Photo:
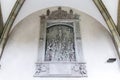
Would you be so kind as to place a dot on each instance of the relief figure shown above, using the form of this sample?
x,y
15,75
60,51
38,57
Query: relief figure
x,y
60,43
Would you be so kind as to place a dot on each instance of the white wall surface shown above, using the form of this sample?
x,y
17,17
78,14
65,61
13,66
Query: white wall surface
x,y
20,54
31,6
86,6
18,61
7,6
112,7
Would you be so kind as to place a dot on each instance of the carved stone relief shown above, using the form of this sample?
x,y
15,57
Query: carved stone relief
x,y
60,43
60,49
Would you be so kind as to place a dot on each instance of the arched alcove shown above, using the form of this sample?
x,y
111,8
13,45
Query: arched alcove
x,y
21,51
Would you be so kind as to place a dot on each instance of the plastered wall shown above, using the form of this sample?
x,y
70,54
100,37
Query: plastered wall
x,y
31,6
20,54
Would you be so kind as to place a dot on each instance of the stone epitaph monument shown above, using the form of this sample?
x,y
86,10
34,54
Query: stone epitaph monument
x,y
60,49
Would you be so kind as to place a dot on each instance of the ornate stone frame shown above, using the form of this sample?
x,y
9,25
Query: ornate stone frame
x,y
60,69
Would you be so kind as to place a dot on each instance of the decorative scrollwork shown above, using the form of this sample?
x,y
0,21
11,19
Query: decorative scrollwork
x,y
79,69
60,14
41,69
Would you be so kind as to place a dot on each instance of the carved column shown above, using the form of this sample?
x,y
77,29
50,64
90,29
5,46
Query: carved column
x,y
42,38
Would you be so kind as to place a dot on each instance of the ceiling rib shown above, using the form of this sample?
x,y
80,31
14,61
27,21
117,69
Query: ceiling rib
x,y
1,21
9,24
111,25
118,24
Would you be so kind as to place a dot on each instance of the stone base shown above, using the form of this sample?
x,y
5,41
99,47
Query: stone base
x,y
60,70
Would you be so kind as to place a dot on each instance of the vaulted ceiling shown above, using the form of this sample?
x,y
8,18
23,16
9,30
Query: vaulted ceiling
x,y
109,11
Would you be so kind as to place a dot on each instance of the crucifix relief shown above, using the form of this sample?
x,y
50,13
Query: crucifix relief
x,y
60,49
